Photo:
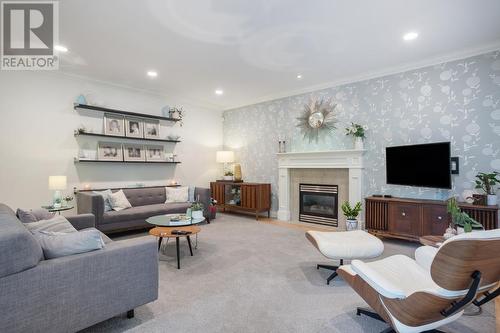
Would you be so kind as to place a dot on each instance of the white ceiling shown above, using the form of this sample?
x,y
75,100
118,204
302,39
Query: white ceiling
x,y
253,49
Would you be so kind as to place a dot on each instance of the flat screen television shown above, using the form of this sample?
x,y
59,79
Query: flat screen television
x,y
426,165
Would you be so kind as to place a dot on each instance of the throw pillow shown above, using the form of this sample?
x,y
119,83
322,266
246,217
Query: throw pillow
x,y
57,244
106,195
119,201
176,194
56,224
33,215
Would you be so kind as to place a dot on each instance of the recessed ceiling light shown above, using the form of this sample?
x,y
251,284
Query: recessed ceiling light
x,y
410,35
299,76
152,74
61,48
219,92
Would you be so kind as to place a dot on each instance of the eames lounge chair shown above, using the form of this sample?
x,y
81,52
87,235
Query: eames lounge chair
x,y
412,298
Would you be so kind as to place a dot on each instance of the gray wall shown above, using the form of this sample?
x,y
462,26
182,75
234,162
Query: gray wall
x,y
457,101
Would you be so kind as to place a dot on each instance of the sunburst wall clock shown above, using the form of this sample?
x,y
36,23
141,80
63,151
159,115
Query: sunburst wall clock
x,y
317,117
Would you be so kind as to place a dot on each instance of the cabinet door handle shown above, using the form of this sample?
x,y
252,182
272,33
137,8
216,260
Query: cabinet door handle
x,y
440,217
403,213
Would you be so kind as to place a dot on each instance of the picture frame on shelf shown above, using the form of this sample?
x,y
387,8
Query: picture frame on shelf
x,y
114,125
134,152
151,129
155,154
134,127
109,151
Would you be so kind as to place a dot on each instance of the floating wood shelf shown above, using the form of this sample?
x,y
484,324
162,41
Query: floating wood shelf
x,y
126,113
143,162
125,137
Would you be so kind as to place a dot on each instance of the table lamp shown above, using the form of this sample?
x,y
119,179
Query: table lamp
x,y
225,156
57,183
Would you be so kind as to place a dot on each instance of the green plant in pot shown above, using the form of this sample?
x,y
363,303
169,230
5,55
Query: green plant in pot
x,y
461,219
488,182
351,213
197,210
358,132
228,175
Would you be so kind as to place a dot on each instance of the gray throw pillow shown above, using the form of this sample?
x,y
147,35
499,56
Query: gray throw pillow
x,y
56,224
106,195
57,244
33,215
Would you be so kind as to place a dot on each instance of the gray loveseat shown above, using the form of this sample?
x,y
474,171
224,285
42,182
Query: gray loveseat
x,y
146,202
71,293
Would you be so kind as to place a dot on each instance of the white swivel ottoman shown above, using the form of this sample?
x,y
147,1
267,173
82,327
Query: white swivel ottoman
x,y
345,245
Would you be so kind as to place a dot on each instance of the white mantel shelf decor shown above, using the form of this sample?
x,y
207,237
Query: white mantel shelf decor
x,y
350,159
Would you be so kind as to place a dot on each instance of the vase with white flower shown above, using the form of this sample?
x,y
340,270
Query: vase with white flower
x,y
358,132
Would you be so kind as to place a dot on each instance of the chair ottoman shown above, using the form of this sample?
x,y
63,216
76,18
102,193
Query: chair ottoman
x,y
345,245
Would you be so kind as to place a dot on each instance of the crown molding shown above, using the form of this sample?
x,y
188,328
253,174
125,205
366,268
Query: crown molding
x,y
432,61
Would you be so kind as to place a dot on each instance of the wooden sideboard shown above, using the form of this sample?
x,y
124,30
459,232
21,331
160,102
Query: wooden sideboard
x,y
411,218
246,197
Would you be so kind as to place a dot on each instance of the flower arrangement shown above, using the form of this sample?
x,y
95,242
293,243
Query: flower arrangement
x,y
228,173
356,130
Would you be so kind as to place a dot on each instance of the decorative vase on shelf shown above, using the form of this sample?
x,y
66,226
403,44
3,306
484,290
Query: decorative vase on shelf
x,y
237,172
491,200
351,224
358,143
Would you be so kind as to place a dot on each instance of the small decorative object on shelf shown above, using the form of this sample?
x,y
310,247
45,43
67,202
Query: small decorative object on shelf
x,y
173,137
237,172
351,213
67,199
165,111
358,132
86,187
177,113
282,146
461,220
318,116
197,210
228,175
81,99
488,182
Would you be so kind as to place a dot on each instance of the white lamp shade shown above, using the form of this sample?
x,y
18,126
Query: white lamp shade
x,y
225,156
57,183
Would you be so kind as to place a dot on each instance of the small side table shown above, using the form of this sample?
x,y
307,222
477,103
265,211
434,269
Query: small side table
x,y
162,232
52,209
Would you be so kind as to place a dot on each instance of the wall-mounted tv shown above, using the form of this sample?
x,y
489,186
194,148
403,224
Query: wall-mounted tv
x,y
426,165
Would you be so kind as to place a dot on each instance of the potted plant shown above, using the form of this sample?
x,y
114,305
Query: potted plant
x,y
197,210
358,132
462,221
228,175
351,213
487,182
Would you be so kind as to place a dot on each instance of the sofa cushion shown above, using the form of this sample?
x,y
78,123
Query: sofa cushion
x,y
119,201
33,215
143,212
59,244
19,250
56,224
145,196
177,194
106,196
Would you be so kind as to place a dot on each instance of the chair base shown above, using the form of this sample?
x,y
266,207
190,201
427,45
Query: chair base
x,y
332,268
374,315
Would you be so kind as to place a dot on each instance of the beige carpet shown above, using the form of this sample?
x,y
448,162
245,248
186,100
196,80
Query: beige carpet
x,y
247,276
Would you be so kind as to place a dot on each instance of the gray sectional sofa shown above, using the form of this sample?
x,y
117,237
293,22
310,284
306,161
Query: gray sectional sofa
x,y
145,201
71,293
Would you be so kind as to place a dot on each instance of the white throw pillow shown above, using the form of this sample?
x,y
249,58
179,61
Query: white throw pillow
x,y
177,194
119,201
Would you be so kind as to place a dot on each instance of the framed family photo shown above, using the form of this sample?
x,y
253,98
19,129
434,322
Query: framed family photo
x,y
109,151
152,129
155,154
133,128
133,152
113,125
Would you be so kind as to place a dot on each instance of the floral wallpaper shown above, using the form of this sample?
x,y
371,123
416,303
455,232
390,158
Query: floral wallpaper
x,y
457,101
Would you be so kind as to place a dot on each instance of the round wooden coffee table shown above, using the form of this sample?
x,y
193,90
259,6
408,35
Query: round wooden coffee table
x,y
162,232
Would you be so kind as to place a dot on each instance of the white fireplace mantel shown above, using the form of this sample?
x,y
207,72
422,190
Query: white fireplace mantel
x,y
333,159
